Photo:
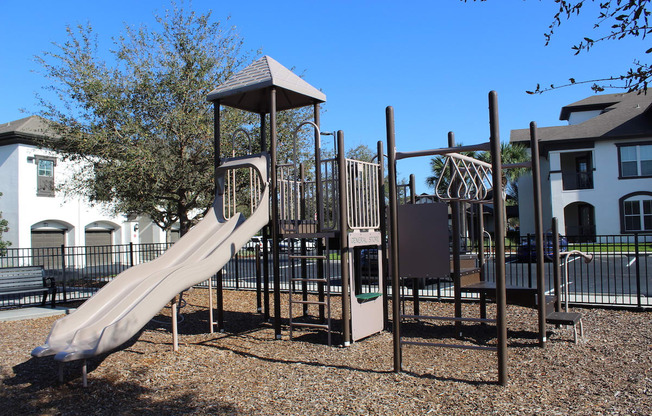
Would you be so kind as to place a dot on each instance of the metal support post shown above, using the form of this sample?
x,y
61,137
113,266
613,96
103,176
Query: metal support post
x,y
457,265
344,240
393,235
538,229
276,263
499,226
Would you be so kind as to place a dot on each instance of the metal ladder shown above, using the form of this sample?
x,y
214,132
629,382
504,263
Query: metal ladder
x,y
322,278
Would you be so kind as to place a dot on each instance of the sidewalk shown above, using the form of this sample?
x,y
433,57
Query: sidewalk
x,y
32,313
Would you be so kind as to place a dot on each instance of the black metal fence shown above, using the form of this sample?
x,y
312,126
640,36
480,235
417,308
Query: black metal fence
x,y
79,271
620,273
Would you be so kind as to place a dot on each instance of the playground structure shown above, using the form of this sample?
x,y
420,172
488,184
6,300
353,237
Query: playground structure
x,y
465,179
338,203
121,308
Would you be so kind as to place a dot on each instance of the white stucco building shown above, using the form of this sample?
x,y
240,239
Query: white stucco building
x,y
41,216
596,172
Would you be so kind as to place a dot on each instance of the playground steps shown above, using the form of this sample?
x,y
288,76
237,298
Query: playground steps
x,y
325,304
567,318
521,296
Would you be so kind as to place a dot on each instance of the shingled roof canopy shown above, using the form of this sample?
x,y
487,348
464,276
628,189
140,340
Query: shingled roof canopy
x,y
248,89
28,130
623,115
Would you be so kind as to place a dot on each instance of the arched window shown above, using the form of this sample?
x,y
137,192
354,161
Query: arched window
x,y
636,212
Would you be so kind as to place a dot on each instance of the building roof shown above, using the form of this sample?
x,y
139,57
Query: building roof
x,y
247,89
24,130
624,115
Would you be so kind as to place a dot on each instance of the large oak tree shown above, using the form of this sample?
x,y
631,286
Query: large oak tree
x,y
135,118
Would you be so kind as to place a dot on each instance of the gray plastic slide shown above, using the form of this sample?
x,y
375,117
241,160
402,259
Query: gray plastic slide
x,y
123,306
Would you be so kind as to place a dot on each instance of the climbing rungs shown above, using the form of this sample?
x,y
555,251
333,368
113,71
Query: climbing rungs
x,y
301,279
309,302
447,318
459,346
308,325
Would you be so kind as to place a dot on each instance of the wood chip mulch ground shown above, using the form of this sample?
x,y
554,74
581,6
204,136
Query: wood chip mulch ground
x,y
245,371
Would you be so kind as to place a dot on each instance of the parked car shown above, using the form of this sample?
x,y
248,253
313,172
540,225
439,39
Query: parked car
x,y
253,243
527,250
311,245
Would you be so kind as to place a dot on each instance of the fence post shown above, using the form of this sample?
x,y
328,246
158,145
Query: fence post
x,y
556,264
131,254
638,271
259,305
529,260
237,271
63,271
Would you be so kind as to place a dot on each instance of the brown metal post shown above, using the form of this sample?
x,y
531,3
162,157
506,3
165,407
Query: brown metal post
x,y
344,240
318,181
393,235
265,234
216,163
383,232
499,226
556,264
217,134
276,264
457,267
416,280
538,229
259,303
319,206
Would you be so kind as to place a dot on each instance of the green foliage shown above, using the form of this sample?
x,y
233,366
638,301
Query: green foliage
x,y
138,125
3,229
361,152
616,20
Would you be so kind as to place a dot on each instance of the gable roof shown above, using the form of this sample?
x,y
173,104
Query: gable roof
x,y
624,115
25,130
247,89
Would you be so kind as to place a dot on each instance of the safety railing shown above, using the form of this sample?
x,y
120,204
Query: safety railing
x,y
363,210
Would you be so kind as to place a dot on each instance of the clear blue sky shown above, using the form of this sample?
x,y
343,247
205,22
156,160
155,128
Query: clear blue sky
x,y
434,61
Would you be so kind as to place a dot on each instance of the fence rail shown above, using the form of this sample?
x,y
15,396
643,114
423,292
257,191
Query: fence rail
x,y
619,275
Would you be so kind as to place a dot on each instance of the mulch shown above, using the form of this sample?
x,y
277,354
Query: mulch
x,y
246,371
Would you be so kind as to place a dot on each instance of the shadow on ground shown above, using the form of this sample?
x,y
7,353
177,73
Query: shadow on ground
x,y
34,389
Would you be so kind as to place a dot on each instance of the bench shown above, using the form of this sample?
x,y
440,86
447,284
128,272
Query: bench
x,y
30,279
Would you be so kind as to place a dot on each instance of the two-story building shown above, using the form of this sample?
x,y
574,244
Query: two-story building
x,y
596,172
39,214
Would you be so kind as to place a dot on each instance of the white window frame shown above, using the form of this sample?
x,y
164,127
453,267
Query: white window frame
x,y
637,158
640,210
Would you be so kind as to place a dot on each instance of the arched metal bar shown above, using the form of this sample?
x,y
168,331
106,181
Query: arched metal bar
x,y
233,137
444,151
